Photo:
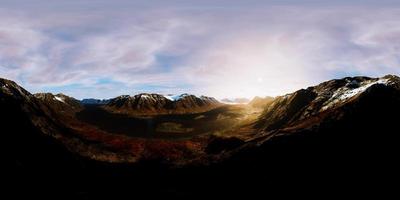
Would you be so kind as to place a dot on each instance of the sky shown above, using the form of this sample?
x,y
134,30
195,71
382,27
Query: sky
x,y
219,48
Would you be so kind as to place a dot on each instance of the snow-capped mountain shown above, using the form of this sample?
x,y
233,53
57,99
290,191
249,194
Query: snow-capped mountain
x,y
145,103
325,97
339,126
60,100
175,97
92,101
58,106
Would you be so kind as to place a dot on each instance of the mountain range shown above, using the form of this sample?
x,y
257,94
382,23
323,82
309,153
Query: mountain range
x,y
158,104
328,137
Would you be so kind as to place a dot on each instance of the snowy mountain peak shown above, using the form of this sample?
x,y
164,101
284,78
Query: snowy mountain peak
x,y
351,89
59,99
172,97
92,101
327,97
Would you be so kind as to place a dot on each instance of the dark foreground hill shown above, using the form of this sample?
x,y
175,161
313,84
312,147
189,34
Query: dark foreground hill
x,y
336,137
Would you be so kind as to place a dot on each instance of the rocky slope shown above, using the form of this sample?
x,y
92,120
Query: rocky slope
x,y
329,138
59,102
301,105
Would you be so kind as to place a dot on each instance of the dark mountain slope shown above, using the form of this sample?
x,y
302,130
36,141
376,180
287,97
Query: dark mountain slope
x,y
28,138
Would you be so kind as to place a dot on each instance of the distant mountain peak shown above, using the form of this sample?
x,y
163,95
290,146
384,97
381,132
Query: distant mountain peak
x,y
46,96
260,102
92,101
12,88
58,102
235,100
173,97
147,96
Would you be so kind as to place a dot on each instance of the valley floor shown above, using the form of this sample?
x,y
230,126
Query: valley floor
x,y
168,126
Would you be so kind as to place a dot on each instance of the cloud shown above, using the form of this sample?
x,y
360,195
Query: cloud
x,y
48,54
18,46
241,50
297,49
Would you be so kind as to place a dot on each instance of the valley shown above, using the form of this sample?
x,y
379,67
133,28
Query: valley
x,y
166,126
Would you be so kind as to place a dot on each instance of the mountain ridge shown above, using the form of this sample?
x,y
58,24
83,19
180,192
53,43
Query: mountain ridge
x,y
316,99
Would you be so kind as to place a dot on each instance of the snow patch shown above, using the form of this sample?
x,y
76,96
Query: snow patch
x,y
169,97
345,93
351,93
146,96
59,99
175,97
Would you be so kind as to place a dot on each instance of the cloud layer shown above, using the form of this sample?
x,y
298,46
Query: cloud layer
x,y
99,49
